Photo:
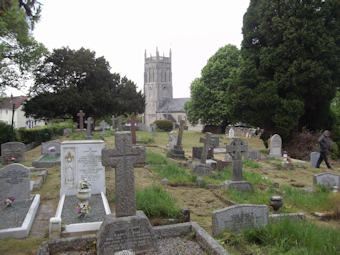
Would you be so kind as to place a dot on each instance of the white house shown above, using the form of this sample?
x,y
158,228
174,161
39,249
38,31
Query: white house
x,y
13,105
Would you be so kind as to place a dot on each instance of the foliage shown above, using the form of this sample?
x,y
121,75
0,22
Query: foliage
x,y
155,202
209,102
7,134
19,52
290,67
42,134
164,125
70,80
335,153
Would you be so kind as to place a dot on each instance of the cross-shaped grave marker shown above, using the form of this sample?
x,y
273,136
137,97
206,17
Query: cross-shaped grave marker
x,y
81,115
180,135
123,158
207,143
89,123
235,149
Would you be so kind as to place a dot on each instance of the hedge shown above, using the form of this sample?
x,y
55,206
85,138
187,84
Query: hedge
x,y
164,125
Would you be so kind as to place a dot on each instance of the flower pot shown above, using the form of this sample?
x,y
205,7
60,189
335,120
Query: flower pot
x,y
84,194
276,202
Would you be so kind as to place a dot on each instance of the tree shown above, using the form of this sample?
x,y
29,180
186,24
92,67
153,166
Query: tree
x,y
70,80
19,52
290,67
209,93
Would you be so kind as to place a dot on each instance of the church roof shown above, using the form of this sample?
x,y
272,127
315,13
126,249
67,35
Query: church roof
x,y
173,105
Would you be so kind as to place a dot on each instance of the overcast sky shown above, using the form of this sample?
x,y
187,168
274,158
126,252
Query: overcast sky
x,y
121,30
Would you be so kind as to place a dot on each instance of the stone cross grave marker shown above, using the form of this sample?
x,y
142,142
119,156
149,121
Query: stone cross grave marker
x,y
89,123
81,115
275,146
133,128
207,142
15,181
102,125
113,122
119,123
235,149
123,158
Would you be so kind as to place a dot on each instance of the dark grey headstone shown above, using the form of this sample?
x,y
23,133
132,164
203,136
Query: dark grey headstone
x,y
126,233
197,153
314,157
15,181
328,179
235,150
238,217
254,155
215,141
13,149
202,169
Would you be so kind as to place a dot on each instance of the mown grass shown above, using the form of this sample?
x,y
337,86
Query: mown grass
x,y
157,203
286,237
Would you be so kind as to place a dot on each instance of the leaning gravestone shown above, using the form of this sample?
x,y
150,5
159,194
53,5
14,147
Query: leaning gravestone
x,y
15,181
275,146
14,150
177,151
172,141
127,229
314,157
238,217
236,148
328,179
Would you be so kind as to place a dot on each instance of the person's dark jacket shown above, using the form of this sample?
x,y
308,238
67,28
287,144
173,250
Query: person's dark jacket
x,y
323,143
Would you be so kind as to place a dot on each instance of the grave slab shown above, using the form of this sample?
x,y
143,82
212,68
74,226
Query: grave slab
x,y
328,179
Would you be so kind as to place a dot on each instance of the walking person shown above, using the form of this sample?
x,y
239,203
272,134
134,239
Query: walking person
x,y
324,146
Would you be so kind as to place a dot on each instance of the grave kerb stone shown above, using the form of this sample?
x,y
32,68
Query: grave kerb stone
x,y
123,158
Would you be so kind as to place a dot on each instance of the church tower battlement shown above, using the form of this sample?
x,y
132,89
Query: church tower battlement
x,y
157,84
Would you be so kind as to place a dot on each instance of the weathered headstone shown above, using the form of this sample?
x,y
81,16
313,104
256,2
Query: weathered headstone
x,y
46,148
153,130
103,125
127,229
197,153
275,146
172,141
328,179
89,123
177,151
215,141
239,217
15,181
119,123
235,149
79,160
203,168
231,133
314,157
81,115
133,128
13,150
254,155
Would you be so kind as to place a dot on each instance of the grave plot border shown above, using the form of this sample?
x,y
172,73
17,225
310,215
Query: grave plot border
x,y
41,164
23,231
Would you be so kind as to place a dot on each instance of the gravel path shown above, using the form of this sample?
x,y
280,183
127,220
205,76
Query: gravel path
x,y
14,216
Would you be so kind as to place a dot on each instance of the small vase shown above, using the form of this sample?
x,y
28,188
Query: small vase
x,y
84,194
276,203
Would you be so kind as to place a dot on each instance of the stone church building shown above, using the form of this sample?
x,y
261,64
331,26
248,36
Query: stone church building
x,y
158,91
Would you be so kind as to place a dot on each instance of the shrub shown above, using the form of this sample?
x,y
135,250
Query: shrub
x,y
7,134
335,153
155,202
164,125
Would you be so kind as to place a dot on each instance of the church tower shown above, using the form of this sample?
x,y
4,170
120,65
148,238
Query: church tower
x,y
157,84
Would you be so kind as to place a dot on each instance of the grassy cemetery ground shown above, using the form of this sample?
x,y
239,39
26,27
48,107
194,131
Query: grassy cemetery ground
x,y
162,202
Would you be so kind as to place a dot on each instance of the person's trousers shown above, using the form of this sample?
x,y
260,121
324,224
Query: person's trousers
x,y
323,156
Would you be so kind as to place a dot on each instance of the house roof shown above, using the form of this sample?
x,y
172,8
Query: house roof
x,y
172,105
7,102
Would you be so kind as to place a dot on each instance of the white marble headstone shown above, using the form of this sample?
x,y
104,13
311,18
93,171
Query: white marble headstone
x,y
82,159
275,146
231,133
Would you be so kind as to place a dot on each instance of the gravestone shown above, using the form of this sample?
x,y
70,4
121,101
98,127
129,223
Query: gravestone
x,y
239,217
153,130
275,146
177,151
79,160
235,149
231,133
81,115
103,125
89,123
314,157
254,155
197,153
47,145
119,123
328,179
133,129
128,229
14,150
67,131
203,168
113,122
15,181
215,141
172,141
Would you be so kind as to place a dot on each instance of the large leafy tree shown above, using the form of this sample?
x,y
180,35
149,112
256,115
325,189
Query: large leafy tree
x,y
290,69
209,93
19,52
70,80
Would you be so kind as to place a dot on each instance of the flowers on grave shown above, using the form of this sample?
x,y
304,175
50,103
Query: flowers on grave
x,y
11,159
52,149
9,201
83,209
84,184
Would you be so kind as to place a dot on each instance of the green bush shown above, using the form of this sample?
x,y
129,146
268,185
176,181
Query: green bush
x,y
42,134
164,125
155,202
335,153
7,134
